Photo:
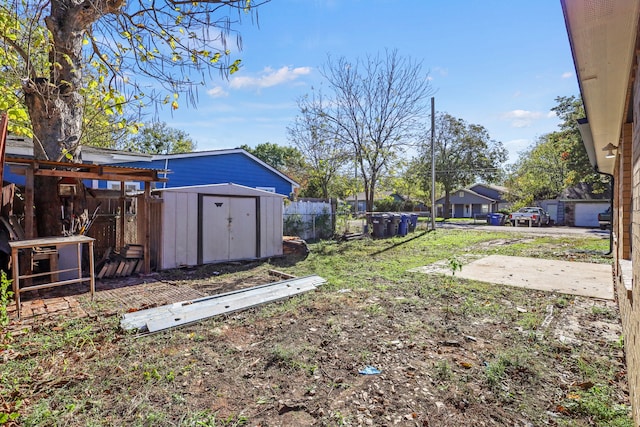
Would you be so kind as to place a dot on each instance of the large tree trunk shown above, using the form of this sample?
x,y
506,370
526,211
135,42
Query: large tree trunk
x,y
55,104
368,195
56,117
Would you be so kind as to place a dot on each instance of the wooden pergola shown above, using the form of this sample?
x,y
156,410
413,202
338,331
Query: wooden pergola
x,y
31,168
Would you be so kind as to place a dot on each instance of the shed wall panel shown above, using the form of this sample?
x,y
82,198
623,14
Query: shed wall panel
x,y
192,229
181,209
168,231
271,226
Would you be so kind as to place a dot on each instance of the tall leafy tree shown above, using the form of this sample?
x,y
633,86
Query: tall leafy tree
x,y
540,172
314,136
556,161
376,109
569,109
287,160
159,138
129,44
464,153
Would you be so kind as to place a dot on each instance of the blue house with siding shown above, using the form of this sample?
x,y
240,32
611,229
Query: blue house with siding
x,y
235,166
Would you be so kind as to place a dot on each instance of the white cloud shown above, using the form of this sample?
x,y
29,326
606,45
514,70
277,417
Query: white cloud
x,y
217,92
567,75
270,77
522,118
516,147
444,72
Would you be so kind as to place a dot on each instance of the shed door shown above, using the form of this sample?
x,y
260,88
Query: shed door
x,y
228,228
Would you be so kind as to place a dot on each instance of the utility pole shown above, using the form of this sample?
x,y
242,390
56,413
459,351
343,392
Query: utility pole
x,y
433,163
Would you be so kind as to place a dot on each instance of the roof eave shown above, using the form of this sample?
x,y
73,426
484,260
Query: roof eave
x,y
602,36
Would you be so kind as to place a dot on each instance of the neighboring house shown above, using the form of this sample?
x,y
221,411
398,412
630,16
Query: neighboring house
x,y
22,147
605,44
467,203
495,192
197,168
360,199
219,167
577,206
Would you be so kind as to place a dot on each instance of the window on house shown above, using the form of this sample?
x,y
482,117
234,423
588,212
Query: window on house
x,y
128,186
461,194
269,189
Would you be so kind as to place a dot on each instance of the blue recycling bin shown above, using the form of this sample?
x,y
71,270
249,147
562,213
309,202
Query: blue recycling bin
x,y
495,219
413,221
403,227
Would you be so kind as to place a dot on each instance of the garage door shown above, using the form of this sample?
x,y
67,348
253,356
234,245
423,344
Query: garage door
x,y
587,213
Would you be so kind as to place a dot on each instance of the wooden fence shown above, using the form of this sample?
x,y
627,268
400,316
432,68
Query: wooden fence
x,y
310,219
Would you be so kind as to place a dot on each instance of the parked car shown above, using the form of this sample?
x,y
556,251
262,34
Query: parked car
x,y
604,219
533,216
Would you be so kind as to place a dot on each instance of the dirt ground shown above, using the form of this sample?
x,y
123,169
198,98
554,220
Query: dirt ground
x,y
442,355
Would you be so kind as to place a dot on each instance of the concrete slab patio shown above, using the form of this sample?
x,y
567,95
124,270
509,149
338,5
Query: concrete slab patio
x,y
574,278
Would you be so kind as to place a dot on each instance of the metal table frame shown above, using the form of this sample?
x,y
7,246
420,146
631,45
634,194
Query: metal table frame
x,y
53,242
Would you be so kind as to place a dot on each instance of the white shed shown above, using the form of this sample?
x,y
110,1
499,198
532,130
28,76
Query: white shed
x,y
219,222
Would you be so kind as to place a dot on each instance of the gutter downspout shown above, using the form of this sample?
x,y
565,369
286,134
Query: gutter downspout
x,y
587,141
612,183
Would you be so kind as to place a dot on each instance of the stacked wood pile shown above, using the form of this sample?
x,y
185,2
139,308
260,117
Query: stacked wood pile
x,y
352,236
128,261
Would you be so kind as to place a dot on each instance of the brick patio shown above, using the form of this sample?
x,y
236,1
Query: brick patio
x,y
112,297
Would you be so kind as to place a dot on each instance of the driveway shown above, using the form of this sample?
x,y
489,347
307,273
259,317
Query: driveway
x,y
565,277
553,230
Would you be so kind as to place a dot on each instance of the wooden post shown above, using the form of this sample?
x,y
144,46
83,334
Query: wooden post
x,y
144,219
28,204
123,208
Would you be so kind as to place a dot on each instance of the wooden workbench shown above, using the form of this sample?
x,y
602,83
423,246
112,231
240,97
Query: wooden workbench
x,y
55,243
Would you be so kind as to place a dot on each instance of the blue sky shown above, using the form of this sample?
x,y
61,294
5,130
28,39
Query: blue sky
x,y
500,64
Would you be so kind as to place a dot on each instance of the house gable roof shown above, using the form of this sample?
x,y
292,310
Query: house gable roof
x,y
472,198
223,152
22,146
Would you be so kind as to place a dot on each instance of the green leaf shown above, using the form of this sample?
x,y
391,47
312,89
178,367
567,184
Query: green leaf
x,y
235,66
